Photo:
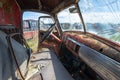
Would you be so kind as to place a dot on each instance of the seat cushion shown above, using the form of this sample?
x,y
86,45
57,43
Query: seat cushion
x,y
52,68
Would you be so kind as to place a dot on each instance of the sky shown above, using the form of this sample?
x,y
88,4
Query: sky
x,y
100,5
102,11
32,15
93,11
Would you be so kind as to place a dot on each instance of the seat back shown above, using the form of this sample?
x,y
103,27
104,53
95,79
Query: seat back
x,y
8,68
9,29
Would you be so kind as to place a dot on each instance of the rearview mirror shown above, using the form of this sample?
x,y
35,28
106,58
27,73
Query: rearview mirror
x,y
73,10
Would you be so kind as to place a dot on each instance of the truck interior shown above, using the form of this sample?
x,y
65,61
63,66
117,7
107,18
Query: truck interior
x,y
59,39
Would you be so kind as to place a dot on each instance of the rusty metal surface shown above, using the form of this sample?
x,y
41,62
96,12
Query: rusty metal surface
x,y
47,5
10,10
9,13
100,63
93,43
42,5
51,45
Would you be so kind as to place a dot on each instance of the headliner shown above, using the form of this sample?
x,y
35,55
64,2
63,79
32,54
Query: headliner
x,y
42,5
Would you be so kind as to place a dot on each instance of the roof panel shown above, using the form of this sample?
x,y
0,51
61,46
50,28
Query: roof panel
x,y
47,5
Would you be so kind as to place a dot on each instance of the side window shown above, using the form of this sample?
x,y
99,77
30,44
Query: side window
x,y
29,25
25,26
69,20
45,23
102,18
30,28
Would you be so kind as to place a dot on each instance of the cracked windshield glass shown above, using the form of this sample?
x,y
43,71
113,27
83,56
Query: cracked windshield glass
x,y
102,17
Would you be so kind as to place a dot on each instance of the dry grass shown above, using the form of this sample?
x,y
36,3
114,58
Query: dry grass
x,y
33,43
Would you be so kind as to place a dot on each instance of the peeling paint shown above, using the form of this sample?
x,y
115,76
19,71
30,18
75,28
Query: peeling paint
x,y
1,4
9,13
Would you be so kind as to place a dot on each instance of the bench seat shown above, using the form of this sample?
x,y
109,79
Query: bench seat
x,y
52,67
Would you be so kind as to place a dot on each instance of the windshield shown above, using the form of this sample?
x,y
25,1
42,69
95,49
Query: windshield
x,y
102,17
69,21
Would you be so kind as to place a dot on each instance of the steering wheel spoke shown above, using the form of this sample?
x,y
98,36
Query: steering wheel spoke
x,y
47,33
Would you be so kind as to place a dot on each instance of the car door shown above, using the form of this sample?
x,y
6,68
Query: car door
x,y
51,38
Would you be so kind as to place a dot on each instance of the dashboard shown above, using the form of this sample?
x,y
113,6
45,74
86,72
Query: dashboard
x,y
98,56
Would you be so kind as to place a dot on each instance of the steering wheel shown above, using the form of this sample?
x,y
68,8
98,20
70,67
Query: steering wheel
x,y
47,33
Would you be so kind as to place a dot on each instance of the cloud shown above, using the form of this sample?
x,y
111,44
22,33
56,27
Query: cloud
x,y
105,17
91,17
